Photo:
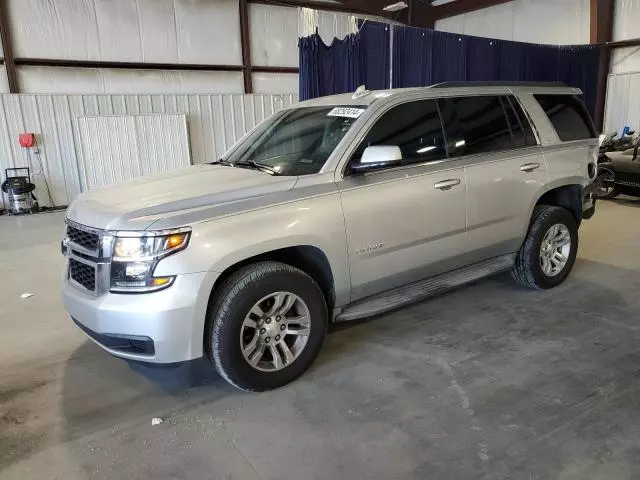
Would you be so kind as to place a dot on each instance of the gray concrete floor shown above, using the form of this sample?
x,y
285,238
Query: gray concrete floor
x,y
488,382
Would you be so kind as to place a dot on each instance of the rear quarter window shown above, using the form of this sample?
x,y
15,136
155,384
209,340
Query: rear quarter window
x,y
568,116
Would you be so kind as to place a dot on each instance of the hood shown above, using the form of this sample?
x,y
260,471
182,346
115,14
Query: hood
x,y
130,205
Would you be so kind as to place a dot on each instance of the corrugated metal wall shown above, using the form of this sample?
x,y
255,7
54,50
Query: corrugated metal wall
x,y
215,122
556,22
623,102
116,148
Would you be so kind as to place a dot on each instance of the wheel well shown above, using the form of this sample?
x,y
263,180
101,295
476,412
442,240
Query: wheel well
x,y
567,196
310,260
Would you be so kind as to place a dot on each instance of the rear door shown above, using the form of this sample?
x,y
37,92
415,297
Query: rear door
x,y
504,169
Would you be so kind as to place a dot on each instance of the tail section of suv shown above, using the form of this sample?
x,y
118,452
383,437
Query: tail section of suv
x,y
335,209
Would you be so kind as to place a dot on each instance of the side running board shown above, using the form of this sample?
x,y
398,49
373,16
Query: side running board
x,y
415,292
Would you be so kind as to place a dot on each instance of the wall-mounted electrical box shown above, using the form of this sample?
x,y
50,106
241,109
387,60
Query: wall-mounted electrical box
x,y
27,140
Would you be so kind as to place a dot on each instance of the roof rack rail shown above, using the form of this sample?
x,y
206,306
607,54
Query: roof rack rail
x,y
498,84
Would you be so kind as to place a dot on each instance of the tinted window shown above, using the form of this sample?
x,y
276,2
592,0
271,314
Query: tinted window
x,y
519,123
414,127
475,125
568,115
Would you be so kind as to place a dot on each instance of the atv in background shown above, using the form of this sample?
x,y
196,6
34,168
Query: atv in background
x,y
612,144
619,170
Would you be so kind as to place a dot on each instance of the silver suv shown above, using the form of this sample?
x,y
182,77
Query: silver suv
x,y
335,209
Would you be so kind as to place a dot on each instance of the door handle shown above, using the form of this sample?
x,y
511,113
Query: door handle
x,y
446,184
529,167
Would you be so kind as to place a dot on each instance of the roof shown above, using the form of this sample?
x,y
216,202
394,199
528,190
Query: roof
x,y
463,88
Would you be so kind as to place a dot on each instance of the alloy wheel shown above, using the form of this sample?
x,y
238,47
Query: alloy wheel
x,y
555,249
275,331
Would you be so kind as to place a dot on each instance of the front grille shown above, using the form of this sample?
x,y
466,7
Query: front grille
x,y
83,274
84,239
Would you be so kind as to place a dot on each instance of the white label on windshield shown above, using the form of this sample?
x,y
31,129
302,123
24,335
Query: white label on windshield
x,y
346,112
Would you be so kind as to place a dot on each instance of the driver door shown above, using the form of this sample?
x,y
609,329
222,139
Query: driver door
x,y
406,221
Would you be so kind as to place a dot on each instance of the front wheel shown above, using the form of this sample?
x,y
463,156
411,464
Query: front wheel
x,y
266,326
549,250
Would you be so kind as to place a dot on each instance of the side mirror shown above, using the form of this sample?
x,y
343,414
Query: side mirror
x,y
377,157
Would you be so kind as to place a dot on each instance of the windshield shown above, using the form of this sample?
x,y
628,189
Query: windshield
x,y
298,141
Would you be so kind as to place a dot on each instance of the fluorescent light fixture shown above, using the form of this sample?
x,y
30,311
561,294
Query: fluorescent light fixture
x,y
460,143
426,149
394,7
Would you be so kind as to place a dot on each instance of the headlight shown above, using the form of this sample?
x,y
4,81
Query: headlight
x,y
135,257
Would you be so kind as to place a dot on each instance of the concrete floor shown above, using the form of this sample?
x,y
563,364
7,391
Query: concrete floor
x,y
487,382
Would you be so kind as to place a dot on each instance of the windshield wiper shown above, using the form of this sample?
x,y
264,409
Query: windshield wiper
x,y
220,161
257,166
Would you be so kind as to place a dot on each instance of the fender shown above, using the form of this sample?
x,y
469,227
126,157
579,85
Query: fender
x,y
577,182
219,244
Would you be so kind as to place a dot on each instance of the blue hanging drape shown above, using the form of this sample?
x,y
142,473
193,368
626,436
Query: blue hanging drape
x,y
374,56
412,67
423,57
329,69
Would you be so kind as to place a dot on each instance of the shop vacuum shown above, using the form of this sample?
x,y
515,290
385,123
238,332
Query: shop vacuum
x,y
18,191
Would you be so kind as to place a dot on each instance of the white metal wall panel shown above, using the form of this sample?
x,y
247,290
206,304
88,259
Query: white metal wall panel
x,y
275,82
123,147
626,18
158,33
209,31
274,35
215,123
119,81
4,81
623,102
63,29
555,22
172,31
624,60
617,102
119,30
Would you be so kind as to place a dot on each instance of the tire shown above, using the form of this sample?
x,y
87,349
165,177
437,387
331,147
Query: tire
x,y
236,300
603,192
528,268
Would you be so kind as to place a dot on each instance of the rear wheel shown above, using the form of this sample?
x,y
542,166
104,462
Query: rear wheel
x,y
549,250
267,326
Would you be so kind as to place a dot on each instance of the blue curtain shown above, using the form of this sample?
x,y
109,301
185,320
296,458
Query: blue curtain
x,y
578,67
483,59
449,57
412,67
424,57
374,57
329,69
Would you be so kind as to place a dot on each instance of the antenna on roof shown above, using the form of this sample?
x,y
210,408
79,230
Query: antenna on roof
x,y
361,91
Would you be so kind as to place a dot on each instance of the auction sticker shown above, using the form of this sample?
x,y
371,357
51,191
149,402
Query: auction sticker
x,y
346,112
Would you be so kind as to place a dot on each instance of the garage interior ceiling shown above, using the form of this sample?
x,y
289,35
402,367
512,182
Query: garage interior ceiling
x,y
422,13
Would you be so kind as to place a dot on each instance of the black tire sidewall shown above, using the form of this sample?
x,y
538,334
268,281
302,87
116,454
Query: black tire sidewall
x,y
540,227
225,338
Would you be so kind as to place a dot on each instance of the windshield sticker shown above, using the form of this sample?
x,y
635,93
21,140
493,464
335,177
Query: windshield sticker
x,y
346,112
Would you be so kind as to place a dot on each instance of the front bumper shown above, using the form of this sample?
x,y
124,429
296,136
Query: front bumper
x,y
589,200
159,327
